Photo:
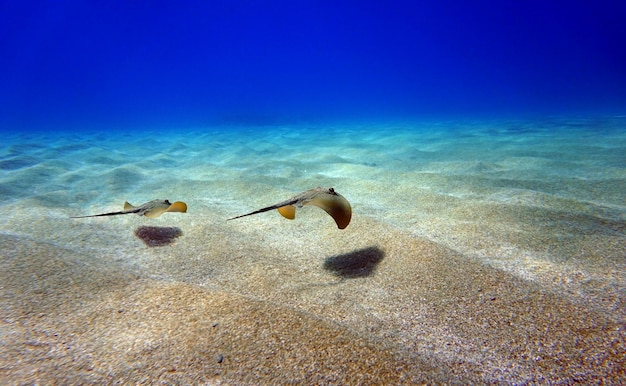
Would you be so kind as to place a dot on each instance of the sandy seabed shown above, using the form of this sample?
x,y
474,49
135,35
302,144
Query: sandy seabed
x,y
479,253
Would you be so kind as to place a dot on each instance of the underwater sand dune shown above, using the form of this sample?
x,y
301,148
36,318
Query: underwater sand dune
x,y
472,256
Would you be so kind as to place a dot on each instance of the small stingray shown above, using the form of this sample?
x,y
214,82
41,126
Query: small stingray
x,y
332,202
151,209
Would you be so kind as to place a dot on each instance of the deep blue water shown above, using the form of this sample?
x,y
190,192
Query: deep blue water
x,y
74,65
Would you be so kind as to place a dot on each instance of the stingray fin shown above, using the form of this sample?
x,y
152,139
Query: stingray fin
x,y
288,211
336,206
178,206
154,213
128,206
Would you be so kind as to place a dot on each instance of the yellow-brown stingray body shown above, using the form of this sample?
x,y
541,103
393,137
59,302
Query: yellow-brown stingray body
x,y
151,209
327,199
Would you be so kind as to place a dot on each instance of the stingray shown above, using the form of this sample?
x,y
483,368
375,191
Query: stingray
x,y
332,202
151,209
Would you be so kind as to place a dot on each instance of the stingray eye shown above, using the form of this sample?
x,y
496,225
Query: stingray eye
x,y
331,190
168,202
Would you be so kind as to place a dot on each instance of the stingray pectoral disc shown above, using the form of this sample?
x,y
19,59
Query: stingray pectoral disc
x,y
178,206
336,206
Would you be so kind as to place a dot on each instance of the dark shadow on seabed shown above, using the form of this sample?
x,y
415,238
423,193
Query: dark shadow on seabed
x,y
359,263
158,236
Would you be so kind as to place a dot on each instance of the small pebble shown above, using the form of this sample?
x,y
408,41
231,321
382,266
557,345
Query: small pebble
x,y
220,358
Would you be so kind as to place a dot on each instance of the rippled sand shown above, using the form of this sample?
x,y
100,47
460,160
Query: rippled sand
x,y
476,253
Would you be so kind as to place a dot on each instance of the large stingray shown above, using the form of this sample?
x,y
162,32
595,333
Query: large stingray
x,y
151,209
332,202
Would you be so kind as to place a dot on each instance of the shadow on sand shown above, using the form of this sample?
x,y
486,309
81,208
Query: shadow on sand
x,y
158,236
359,263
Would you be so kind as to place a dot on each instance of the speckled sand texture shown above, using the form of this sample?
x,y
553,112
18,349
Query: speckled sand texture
x,y
484,254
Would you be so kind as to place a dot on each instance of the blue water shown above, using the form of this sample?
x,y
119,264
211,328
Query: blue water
x,y
76,65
